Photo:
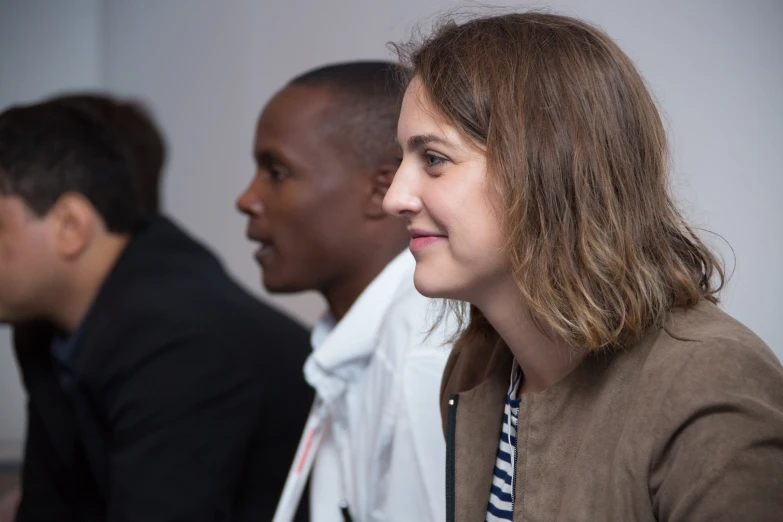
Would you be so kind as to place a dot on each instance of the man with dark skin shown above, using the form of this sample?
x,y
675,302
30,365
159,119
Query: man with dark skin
x,y
325,155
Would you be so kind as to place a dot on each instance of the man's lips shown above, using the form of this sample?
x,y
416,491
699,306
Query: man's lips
x,y
421,239
265,247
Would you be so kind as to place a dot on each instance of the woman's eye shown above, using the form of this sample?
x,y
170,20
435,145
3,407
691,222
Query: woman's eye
x,y
432,160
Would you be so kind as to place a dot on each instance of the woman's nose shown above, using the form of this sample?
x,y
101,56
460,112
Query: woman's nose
x,y
401,199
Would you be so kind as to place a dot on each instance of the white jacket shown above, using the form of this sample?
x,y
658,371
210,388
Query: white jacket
x,y
378,375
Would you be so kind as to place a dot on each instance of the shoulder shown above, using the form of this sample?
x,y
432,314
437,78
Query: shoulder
x,y
711,396
708,325
705,347
170,295
705,371
168,277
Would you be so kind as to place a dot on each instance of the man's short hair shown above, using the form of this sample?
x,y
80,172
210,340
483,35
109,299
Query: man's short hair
x,y
367,96
49,149
138,135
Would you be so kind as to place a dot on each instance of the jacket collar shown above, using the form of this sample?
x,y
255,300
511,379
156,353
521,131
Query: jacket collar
x,y
155,249
342,350
479,423
48,402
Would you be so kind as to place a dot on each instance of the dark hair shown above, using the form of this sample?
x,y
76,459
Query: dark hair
x,y
367,96
578,165
138,135
49,149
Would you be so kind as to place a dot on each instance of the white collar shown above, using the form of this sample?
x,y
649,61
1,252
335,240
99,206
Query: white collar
x,y
341,351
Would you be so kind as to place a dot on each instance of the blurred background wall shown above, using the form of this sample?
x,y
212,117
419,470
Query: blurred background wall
x,y
206,68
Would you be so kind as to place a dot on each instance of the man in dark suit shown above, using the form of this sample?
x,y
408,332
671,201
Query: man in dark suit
x,y
158,389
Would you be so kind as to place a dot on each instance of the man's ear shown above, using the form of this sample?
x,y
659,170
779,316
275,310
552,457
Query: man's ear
x,y
381,181
76,224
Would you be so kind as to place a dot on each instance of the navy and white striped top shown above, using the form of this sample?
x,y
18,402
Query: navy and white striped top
x,y
501,497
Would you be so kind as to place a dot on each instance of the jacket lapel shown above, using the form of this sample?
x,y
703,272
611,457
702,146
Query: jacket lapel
x,y
478,425
32,342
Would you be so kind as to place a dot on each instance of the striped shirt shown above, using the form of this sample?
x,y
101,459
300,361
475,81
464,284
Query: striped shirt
x,y
501,496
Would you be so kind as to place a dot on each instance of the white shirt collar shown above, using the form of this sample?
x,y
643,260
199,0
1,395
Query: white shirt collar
x,y
341,351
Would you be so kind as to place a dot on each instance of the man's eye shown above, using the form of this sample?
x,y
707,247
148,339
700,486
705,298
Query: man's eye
x,y
277,174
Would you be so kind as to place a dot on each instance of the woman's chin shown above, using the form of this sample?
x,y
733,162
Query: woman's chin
x,y
431,285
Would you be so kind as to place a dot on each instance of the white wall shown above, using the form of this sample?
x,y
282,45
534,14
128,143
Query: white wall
x,y
207,68
45,46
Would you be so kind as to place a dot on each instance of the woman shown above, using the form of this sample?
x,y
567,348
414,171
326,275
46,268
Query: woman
x,y
534,182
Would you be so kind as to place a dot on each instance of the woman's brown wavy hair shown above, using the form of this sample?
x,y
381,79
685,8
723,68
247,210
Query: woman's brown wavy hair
x,y
577,157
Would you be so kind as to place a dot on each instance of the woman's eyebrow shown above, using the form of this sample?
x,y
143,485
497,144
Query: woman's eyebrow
x,y
420,140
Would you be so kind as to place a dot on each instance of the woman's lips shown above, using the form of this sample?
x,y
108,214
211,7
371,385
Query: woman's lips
x,y
418,243
421,239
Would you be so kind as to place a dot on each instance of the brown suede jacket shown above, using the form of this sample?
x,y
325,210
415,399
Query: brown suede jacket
x,y
686,425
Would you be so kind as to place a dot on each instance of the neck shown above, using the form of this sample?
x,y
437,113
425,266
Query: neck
x,y
544,358
88,277
341,295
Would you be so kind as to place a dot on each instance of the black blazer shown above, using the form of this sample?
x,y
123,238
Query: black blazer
x,y
188,401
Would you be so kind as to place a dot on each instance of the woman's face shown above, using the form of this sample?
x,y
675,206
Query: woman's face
x,y
441,189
